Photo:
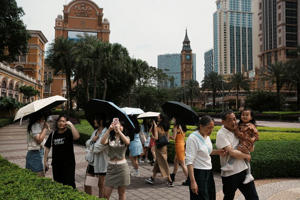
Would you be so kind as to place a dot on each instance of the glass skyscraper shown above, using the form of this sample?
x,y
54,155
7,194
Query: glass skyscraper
x,y
209,62
170,64
233,44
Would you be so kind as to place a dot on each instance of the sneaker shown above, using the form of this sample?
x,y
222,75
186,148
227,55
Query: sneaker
x,y
135,173
227,168
171,184
140,160
186,182
146,160
248,179
150,180
172,177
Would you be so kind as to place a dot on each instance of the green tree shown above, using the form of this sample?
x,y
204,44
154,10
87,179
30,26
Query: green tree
x,y
61,58
13,33
28,91
192,90
212,82
238,81
277,74
293,77
9,105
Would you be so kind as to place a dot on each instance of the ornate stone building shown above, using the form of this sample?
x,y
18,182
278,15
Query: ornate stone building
x,y
79,17
27,70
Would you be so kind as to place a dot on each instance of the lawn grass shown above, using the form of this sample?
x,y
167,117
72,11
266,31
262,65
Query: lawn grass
x,y
84,127
281,112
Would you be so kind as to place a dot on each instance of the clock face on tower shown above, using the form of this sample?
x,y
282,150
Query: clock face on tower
x,y
188,57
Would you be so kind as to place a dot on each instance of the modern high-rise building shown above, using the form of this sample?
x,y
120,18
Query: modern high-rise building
x,y
233,46
170,65
208,62
182,67
279,35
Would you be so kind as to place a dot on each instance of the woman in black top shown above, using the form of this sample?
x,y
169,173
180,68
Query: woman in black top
x,y
63,158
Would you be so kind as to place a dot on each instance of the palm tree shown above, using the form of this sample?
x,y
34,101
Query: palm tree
x,y
213,82
62,59
238,81
293,67
84,61
276,73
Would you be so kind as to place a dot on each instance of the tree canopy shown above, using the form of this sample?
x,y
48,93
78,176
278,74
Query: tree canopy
x,y
13,33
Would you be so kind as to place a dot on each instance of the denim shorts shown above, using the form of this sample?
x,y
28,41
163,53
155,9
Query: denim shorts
x,y
34,160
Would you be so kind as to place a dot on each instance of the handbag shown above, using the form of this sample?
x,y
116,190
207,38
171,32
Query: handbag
x,y
162,141
89,156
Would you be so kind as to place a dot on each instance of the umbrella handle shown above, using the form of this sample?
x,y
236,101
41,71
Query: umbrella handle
x,y
21,121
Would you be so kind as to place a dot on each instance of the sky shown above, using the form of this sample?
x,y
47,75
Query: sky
x,y
147,28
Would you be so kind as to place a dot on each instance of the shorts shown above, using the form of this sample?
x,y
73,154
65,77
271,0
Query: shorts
x,y
90,170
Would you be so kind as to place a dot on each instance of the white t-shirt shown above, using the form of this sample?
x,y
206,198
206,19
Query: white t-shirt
x,y
197,153
224,139
36,128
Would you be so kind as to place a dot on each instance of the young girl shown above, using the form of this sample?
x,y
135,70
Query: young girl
x,y
135,147
247,134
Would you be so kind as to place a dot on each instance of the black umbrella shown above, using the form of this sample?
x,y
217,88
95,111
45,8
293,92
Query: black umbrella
x,y
181,112
109,109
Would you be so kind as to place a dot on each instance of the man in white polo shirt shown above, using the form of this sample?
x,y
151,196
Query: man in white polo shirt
x,y
233,179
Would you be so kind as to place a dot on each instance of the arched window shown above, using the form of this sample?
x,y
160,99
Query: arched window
x,y
3,85
11,85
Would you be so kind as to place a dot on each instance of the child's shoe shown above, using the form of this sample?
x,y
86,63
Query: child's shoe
x,y
248,179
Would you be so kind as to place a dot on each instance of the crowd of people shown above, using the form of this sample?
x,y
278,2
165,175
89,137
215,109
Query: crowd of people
x,y
107,166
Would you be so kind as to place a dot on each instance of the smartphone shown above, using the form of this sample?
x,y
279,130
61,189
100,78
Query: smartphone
x,y
115,120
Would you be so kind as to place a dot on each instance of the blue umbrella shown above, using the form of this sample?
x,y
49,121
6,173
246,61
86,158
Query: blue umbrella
x,y
110,110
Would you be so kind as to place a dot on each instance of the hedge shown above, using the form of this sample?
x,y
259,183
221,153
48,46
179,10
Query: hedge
x,y
17,183
5,121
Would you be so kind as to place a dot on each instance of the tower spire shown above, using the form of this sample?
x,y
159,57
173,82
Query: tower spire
x,y
186,42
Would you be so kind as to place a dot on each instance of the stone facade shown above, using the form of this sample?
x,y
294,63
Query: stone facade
x,y
79,17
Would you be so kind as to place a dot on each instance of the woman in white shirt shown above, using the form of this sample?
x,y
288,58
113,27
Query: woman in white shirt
x,y
198,161
97,166
36,133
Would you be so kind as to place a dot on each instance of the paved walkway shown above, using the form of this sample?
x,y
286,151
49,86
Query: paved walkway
x,y
13,147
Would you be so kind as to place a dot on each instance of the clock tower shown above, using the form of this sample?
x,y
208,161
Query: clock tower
x,y
186,61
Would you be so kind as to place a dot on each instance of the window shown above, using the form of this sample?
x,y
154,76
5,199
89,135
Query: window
x,y
279,40
260,6
260,26
279,16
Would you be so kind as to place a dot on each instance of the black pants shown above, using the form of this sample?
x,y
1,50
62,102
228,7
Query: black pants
x,y
206,185
64,173
234,182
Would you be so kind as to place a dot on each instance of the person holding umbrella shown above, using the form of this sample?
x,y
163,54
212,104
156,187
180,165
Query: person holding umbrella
x,y
97,160
161,163
36,133
118,174
63,158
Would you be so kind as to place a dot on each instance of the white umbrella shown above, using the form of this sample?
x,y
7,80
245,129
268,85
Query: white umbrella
x,y
148,115
38,105
132,111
